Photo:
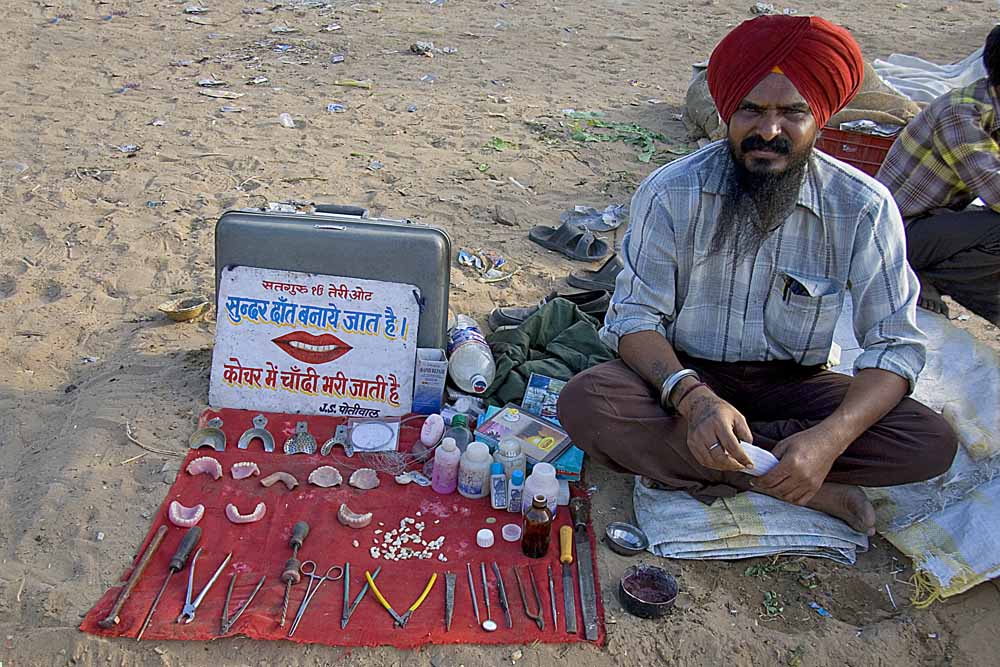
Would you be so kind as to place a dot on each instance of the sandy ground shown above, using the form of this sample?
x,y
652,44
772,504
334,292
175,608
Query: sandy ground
x,y
94,239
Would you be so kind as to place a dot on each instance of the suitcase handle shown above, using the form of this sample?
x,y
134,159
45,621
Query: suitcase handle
x,y
338,209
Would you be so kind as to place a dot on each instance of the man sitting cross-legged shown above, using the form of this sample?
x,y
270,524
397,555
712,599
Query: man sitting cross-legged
x,y
737,261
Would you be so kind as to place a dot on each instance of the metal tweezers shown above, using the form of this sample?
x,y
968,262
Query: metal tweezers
x,y
349,606
229,621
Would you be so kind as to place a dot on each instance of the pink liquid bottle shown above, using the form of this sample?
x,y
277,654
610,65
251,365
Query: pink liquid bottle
x,y
444,479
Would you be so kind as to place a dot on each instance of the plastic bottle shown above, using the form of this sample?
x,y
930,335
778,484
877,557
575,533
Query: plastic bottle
x,y
509,454
541,482
537,529
459,432
474,471
498,487
446,459
515,490
470,362
563,498
469,405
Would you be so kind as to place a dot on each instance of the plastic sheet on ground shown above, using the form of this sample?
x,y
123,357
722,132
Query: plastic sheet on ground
x,y
924,81
948,525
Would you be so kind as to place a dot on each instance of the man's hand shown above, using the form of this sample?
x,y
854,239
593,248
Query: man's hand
x,y
804,462
715,429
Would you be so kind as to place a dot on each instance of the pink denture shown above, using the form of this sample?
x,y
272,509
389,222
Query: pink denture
x,y
353,519
244,469
205,465
325,476
281,476
185,517
233,514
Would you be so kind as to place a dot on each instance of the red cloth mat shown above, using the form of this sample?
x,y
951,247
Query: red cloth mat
x,y
261,549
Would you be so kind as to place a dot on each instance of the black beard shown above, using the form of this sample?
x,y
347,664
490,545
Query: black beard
x,y
754,204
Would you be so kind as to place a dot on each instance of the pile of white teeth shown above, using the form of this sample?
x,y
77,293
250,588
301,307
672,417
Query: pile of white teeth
x,y
394,543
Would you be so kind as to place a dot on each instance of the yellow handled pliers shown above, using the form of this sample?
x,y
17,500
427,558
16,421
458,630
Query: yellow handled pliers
x,y
400,620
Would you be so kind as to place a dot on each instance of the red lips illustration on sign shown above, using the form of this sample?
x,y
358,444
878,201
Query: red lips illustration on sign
x,y
311,349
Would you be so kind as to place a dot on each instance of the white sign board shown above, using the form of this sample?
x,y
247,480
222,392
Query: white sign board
x,y
305,343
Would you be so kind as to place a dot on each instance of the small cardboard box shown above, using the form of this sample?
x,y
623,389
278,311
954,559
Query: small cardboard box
x,y
429,379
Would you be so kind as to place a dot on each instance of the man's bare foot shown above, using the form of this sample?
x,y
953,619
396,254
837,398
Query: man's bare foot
x,y
848,503
930,299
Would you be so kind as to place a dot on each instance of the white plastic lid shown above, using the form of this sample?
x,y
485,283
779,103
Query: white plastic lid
x,y
510,446
448,444
479,383
478,451
511,532
544,470
484,538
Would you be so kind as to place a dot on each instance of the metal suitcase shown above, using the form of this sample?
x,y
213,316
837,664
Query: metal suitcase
x,y
344,241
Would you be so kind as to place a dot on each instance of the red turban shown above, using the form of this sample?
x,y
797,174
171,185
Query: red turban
x,y
821,59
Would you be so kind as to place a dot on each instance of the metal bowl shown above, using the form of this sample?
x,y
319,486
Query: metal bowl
x,y
625,538
184,309
647,591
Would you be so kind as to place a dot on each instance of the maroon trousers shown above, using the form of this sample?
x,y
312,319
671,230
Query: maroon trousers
x,y
615,416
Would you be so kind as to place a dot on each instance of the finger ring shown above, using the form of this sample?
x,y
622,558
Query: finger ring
x,y
714,446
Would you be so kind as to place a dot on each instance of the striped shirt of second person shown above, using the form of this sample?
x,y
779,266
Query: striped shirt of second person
x,y
948,155
782,302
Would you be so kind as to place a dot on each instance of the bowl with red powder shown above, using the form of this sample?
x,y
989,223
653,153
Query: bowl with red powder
x,y
647,591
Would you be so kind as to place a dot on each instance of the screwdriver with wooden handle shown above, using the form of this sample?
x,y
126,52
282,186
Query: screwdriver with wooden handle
x,y
177,563
292,575
566,558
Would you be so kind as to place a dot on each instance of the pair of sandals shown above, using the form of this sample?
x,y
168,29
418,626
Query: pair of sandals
x,y
571,239
594,300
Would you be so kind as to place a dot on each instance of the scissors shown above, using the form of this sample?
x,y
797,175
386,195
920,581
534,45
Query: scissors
x,y
308,569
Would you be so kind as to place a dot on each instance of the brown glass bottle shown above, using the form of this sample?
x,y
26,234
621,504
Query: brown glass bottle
x,y
537,529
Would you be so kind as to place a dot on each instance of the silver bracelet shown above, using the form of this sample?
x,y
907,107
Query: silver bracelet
x,y
671,383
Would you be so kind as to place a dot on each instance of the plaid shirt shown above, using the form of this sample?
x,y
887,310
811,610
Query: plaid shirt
x,y
845,234
948,155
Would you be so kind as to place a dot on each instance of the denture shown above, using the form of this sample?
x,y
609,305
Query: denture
x,y
185,517
325,476
364,479
244,469
205,465
281,476
233,513
353,519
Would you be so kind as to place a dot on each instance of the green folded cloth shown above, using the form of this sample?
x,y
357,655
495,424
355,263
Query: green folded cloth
x,y
557,340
